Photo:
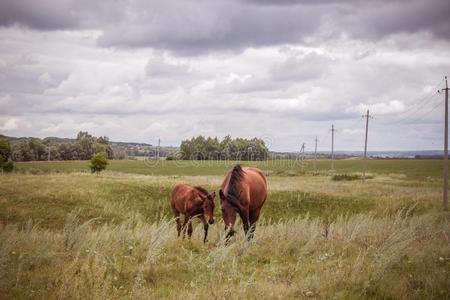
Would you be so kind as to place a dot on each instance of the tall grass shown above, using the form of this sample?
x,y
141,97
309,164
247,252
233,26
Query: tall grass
x,y
79,236
400,257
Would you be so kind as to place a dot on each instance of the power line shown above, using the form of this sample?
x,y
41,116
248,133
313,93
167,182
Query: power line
x,y
423,101
409,115
416,107
422,116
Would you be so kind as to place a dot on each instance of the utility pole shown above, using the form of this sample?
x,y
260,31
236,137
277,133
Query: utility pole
x,y
48,156
157,149
302,151
367,116
315,155
332,146
445,200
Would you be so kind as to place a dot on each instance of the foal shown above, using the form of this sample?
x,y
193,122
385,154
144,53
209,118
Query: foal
x,y
192,201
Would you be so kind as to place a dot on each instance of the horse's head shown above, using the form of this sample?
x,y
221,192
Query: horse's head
x,y
228,212
208,207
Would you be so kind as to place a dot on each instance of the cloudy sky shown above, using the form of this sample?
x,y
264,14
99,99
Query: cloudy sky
x,y
282,70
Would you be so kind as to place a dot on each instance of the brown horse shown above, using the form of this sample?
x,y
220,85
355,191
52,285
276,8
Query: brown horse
x,y
243,191
192,201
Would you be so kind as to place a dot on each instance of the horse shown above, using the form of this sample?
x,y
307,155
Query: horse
x,y
243,191
192,201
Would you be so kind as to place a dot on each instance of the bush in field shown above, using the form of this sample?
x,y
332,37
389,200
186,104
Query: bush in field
x,y
5,150
98,162
346,177
8,166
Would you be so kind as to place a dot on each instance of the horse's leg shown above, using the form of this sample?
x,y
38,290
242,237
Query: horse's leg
x,y
254,216
245,219
205,227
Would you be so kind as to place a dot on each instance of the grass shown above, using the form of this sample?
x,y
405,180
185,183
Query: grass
x,y
73,235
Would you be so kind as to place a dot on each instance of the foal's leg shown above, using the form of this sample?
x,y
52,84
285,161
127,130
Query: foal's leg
x,y
205,227
176,214
190,229
187,219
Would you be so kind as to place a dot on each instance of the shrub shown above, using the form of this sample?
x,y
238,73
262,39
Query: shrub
x,y
8,166
5,152
98,162
346,177
170,158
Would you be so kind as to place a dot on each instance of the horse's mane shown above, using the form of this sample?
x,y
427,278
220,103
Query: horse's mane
x,y
233,192
202,190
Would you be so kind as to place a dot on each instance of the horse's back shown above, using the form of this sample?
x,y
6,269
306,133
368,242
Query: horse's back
x,y
257,186
256,173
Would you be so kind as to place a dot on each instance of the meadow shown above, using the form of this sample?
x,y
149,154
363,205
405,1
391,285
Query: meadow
x,y
69,234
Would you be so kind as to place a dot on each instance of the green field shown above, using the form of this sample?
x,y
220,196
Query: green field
x,y
69,234
422,169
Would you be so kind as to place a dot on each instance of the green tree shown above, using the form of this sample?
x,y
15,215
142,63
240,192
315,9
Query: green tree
x,y
199,148
98,162
5,155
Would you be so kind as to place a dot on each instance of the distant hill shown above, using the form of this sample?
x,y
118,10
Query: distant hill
x,y
58,140
374,154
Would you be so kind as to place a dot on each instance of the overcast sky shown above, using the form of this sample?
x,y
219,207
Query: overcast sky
x,y
282,70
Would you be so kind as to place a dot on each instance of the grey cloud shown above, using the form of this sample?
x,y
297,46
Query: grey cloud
x,y
199,27
44,15
375,20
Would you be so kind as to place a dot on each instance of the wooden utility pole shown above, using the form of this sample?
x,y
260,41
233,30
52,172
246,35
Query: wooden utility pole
x,y
315,155
303,152
367,116
332,146
302,156
157,149
445,200
48,156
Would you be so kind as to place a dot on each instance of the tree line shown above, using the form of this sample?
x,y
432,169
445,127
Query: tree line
x,y
201,148
83,148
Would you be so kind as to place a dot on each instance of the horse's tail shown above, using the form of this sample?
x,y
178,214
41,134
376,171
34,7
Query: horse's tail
x,y
236,173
